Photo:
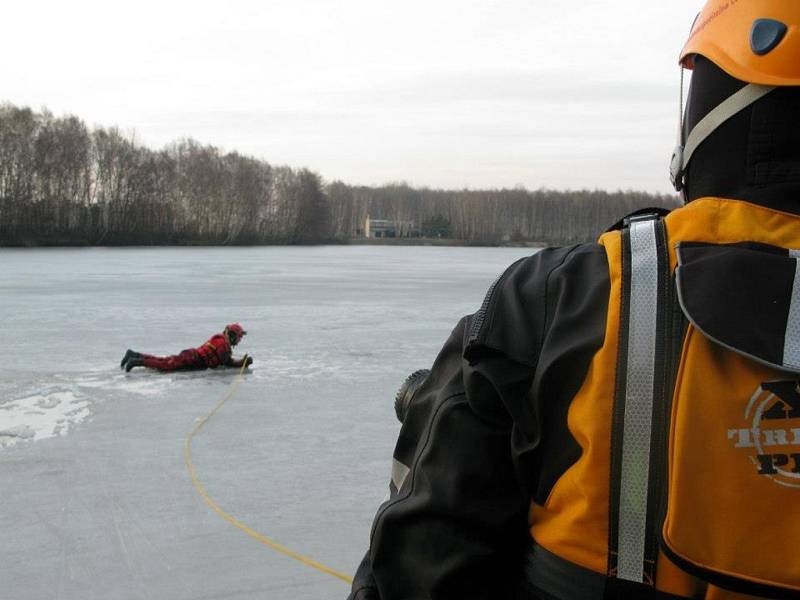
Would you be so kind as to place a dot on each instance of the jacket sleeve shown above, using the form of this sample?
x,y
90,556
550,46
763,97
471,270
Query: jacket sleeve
x,y
455,523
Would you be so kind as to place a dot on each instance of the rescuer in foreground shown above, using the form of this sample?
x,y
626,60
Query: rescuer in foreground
x,y
618,420
216,352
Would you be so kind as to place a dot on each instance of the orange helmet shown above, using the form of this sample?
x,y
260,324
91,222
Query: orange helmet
x,y
235,332
757,41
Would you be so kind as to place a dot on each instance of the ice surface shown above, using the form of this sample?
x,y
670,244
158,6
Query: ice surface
x,y
97,502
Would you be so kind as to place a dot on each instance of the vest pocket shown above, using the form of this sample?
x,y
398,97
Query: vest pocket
x,y
734,471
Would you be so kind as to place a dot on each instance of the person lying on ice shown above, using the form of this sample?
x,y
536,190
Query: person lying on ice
x,y
217,351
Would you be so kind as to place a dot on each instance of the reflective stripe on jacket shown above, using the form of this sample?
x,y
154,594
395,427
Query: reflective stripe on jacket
x,y
514,429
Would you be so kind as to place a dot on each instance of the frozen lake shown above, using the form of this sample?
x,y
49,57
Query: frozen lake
x,y
97,502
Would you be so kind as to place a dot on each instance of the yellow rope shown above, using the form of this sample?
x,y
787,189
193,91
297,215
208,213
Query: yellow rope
x,y
187,453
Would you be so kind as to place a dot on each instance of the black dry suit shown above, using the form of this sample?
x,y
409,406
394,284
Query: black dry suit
x,y
511,477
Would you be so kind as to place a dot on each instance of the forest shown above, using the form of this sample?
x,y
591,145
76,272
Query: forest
x,y
64,184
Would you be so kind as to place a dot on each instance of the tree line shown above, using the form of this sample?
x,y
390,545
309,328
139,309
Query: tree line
x,y
543,216
62,183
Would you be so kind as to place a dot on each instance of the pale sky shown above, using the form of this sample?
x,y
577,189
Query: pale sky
x,y
438,93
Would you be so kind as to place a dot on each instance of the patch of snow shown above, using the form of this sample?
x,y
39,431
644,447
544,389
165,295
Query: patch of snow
x,y
40,416
18,431
48,402
92,382
12,435
143,383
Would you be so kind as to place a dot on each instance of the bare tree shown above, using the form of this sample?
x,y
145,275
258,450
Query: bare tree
x,y
62,184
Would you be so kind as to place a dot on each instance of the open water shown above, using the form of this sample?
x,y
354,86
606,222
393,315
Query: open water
x,y
97,502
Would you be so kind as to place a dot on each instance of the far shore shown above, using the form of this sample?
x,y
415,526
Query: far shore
x,y
351,242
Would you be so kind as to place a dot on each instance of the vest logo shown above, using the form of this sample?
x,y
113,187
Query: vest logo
x,y
773,416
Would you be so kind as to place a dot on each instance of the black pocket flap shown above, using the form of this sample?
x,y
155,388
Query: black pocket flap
x,y
741,296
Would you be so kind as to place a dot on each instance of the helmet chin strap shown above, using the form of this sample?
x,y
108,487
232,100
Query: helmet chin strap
x,y
676,162
711,122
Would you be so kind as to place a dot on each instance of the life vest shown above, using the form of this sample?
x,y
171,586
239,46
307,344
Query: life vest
x,y
216,351
688,482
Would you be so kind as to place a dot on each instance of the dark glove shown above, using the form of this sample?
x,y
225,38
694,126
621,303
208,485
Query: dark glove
x,y
406,392
247,360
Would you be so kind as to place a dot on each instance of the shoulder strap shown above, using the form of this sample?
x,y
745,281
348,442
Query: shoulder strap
x,y
640,418
651,212
650,335
649,340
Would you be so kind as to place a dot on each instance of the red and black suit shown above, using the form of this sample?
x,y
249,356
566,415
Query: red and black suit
x,y
215,352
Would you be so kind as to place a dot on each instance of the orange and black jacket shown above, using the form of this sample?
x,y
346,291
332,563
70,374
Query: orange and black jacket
x,y
505,480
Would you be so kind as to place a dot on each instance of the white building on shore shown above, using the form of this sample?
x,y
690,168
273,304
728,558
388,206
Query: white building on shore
x,y
387,228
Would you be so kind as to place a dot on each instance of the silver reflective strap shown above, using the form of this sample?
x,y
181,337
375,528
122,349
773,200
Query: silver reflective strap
x,y
639,392
399,473
791,342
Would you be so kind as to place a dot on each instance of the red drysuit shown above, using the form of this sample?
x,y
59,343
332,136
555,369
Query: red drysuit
x,y
215,352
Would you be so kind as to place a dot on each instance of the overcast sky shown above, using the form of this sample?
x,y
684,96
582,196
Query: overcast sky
x,y
441,93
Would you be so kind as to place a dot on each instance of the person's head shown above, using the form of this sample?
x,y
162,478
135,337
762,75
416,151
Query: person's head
x,y
742,119
234,333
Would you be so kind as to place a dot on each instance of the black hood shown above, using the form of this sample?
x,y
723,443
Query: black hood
x,y
754,156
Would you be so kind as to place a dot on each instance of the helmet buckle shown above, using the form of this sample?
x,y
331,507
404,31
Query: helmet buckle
x,y
676,168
